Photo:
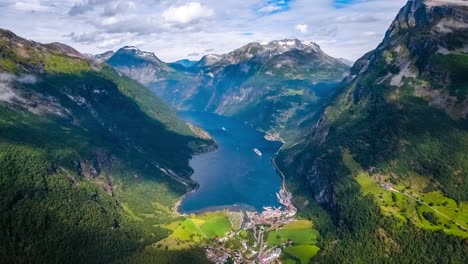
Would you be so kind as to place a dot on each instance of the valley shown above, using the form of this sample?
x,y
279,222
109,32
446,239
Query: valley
x,y
272,152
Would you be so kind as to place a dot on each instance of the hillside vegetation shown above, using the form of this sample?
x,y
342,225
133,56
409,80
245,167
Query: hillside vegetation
x,y
388,160
82,150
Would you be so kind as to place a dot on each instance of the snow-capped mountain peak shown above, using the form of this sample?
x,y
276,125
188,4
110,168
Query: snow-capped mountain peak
x,y
261,51
137,52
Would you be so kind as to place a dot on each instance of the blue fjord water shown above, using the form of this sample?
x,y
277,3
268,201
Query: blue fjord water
x,y
233,175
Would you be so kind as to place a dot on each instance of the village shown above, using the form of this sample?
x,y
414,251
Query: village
x,y
248,244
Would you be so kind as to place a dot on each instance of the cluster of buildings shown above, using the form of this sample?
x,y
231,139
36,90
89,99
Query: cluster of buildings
x,y
271,218
218,255
269,258
284,198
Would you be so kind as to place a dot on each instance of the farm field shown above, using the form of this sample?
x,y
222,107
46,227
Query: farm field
x,y
194,230
302,237
300,232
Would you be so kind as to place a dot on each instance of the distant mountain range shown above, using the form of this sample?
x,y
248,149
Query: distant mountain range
x,y
186,63
270,85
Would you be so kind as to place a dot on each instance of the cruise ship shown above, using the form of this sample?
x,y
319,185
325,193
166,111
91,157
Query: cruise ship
x,y
257,152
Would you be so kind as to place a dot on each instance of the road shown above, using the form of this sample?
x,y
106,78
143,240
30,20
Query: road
x,y
283,178
435,210
260,238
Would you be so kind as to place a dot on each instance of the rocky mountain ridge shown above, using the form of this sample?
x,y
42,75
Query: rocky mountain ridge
x,y
277,79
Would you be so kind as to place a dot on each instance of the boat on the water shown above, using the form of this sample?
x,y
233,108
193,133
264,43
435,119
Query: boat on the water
x,y
223,128
257,152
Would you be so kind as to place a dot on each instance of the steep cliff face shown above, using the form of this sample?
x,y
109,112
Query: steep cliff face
x,y
388,158
399,100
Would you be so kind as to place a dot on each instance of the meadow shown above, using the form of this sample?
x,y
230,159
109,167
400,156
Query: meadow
x,y
302,237
195,230
412,198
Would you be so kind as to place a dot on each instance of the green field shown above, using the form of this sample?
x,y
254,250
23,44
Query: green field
x,y
434,211
303,253
299,232
194,230
303,238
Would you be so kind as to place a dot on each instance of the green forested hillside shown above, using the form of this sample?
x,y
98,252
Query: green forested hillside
x,y
82,151
388,159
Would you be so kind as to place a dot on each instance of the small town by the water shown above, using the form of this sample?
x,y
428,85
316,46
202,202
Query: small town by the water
x,y
258,224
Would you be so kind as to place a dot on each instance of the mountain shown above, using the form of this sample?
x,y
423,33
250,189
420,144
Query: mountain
x,y
270,85
186,63
347,62
139,65
84,151
103,57
387,160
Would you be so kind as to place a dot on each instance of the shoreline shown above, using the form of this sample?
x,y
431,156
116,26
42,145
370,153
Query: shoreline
x,y
235,207
278,170
232,208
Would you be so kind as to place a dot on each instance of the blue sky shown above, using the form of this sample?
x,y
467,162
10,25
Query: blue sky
x,y
176,29
344,3
274,6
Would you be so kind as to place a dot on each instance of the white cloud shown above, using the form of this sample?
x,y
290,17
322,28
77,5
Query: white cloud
x,y
187,13
303,28
32,5
370,33
269,9
174,28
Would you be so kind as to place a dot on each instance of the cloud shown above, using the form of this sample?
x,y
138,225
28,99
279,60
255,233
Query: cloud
x,y
303,28
269,9
86,37
174,28
7,92
356,18
27,79
193,54
114,9
369,33
85,6
274,6
187,13
33,5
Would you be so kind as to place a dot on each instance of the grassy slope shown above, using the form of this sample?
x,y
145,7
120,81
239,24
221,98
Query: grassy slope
x,y
195,230
303,238
82,187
